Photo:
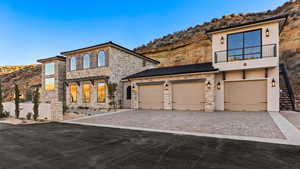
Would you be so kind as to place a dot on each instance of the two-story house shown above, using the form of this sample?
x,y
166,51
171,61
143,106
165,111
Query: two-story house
x,y
243,74
79,78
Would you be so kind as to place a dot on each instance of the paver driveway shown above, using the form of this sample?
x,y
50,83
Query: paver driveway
x,y
253,124
70,146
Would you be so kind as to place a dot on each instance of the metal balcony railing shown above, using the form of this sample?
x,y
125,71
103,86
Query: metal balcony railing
x,y
246,53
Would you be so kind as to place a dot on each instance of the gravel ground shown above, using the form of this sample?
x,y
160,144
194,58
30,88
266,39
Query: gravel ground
x,y
293,117
70,146
255,124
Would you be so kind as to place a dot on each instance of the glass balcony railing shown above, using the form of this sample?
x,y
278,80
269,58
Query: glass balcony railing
x,y
246,53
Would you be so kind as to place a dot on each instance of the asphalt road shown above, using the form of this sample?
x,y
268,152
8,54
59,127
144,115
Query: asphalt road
x,y
68,146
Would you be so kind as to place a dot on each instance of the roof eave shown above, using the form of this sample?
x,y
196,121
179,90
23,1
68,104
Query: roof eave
x,y
246,25
179,74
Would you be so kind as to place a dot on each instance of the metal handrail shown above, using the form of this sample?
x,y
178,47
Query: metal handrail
x,y
222,56
288,84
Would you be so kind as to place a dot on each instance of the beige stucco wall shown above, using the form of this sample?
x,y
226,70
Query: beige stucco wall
x,y
209,92
247,64
252,74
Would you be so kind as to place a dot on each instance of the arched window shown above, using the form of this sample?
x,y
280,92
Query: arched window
x,y
101,58
86,61
128,93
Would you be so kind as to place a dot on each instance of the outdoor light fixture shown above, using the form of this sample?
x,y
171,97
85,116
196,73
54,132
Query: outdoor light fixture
x,y
222,40
273,83
267,32
208,85
219,85
166,86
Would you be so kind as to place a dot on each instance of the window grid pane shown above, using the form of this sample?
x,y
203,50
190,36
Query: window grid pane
x,y
49,69
73,63
101,58
49,84
86,61
86,93
101,90
73,93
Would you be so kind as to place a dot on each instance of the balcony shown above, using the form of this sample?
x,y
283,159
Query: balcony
x,y
246,53
247,57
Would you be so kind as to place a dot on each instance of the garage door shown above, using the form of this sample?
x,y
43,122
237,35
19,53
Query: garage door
x,y
188,96
151,96
246,95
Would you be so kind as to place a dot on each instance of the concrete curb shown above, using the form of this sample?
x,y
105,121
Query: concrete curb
x,y
256,139
97,115
289,130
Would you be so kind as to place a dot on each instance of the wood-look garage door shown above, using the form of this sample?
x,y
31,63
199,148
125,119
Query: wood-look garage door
x,y
246,95
188,96
151,96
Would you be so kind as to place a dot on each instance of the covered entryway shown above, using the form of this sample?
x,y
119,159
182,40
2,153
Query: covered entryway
x,y
246,95
151,96
188,95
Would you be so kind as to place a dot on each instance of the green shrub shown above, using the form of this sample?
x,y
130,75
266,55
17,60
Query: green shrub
x,y
17,101
28,116
5,114
1,100
112,88
36,102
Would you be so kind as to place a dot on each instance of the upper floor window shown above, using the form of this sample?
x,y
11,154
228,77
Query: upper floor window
x,y
101,58
73,63
49,68
49,84
244,45
86,61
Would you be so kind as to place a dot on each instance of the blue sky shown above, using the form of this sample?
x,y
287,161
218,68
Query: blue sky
x,y
35,29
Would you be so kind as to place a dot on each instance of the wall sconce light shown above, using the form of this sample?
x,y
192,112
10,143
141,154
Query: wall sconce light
x,y
219,86
273,83
208,85
166,86
267,32
222,40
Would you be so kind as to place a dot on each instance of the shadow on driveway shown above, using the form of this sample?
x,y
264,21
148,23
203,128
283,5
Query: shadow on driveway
x,y
69,146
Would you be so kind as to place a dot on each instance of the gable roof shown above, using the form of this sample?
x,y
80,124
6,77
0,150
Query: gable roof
x,y
61,58
265,20
183,69
111,44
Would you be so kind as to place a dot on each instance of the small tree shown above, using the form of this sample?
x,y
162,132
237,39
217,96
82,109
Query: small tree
x,y
1,100
17,101
36,102
112,88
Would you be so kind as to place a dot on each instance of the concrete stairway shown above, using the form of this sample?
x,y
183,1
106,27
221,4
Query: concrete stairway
x,y
286,102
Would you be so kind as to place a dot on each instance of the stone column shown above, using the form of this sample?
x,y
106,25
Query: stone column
x,y
210,94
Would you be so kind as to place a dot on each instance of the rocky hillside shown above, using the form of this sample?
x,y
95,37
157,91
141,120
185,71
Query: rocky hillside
x,y
193,46
24,76
10,69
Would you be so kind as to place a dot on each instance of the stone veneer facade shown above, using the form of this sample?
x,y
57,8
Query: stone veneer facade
x,y
56,97
209,93
119,65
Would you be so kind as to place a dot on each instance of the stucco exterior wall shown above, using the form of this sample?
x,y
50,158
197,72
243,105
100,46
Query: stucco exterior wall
x,y
248,64
252,74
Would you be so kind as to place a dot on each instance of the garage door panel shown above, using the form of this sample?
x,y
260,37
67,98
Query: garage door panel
x,y
246,95
151,96
188,96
